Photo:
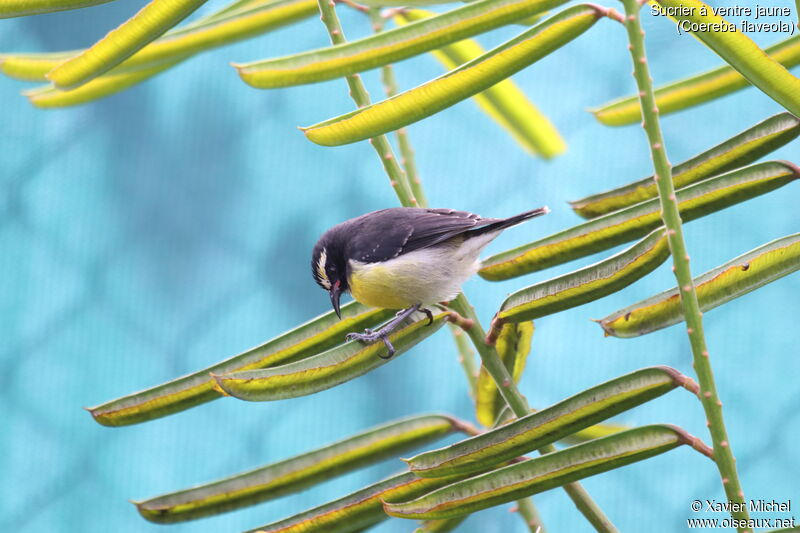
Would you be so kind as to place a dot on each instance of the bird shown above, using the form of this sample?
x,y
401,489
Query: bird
x,y
404,258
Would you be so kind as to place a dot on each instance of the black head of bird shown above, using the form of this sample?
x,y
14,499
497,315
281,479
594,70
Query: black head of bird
x,y
329,266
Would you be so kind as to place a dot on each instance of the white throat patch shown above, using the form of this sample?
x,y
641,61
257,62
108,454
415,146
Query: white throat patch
x,y
323,276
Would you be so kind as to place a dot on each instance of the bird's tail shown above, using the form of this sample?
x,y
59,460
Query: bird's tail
x,y
504,223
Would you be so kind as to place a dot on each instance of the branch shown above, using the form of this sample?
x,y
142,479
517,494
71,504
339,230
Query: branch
x,y
530,514
723,455
515,400
488,354
466,357
403,142
397,178
527,509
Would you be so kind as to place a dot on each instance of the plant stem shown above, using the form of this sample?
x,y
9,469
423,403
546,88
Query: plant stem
x,y
491,361
488,354
525,506
527,510
403,142
466,358
723,455
406,150
518,404
397,178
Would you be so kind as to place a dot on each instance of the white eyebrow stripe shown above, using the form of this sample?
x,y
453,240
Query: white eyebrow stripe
x,y
323,276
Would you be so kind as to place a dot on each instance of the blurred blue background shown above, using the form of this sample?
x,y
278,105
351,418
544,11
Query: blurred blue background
x,y
167,227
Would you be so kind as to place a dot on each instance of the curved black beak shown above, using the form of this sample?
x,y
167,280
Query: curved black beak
x,y
336,294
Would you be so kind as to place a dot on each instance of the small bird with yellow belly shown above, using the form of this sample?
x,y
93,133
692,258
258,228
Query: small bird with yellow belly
x,y
404,258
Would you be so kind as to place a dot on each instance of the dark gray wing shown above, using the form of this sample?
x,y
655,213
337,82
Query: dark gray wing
x,y
385,234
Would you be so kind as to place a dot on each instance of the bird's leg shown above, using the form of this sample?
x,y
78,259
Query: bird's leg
x,y
428,314
382,334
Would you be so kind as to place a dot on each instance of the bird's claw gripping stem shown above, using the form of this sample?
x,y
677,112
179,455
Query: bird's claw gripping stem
x,y
370,337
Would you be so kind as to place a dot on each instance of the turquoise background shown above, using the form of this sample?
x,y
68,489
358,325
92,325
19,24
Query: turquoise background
x,y
165,228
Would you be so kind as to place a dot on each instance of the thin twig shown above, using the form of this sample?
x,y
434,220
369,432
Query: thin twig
x,y
459,324
391,12
466,357
354,5
495,328
465,427
525,506
397,178
491,360
403,142
508,390
531,515
723,455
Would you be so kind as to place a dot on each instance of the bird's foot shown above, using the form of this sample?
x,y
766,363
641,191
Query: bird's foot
x,y
371,337
428,313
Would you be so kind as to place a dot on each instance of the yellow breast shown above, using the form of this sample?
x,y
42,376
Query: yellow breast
x,y
376,286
